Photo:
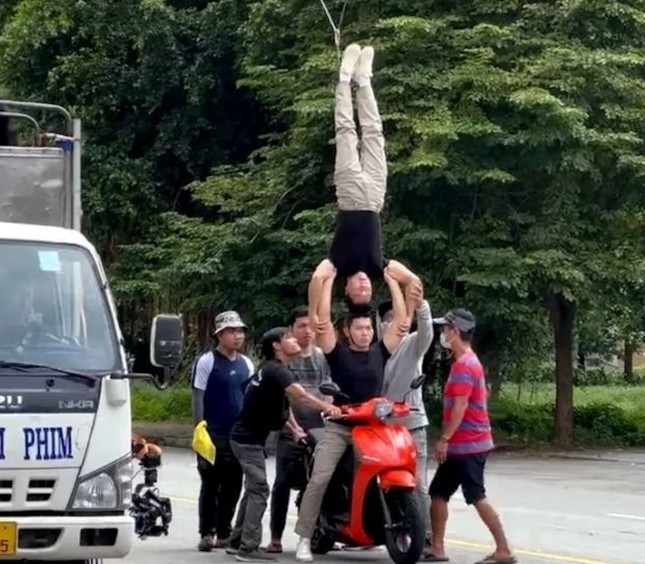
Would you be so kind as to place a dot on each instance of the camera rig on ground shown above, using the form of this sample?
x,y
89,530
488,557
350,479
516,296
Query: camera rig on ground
x,y
152,513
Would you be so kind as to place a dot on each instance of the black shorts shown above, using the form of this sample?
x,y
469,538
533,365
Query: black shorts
x,y
466,471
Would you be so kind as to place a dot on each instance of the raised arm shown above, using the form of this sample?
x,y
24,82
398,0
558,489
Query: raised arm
x,y
425,332
401,273
400,322
324,271
325,333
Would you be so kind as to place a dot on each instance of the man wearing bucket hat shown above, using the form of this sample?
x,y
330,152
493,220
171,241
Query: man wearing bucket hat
x,y
465,440
217,385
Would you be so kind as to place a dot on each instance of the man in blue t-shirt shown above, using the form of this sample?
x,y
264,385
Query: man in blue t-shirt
x,y
217,384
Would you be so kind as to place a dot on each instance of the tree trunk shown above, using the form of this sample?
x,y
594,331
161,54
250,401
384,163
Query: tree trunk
x,y
628,370
494,376
562,313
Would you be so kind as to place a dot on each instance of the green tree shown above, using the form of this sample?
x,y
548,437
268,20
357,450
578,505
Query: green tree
x,y
515,142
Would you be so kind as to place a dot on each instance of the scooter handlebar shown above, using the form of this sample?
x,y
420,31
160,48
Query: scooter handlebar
x,y
376,408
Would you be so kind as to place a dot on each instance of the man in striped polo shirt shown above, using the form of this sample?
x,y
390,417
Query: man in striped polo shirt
x,y
465,441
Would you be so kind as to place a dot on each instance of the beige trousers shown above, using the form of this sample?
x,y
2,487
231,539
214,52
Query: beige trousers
x,y
360,176
327,456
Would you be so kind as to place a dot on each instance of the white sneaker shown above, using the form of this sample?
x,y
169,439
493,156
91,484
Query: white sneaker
x,y
303,551
348,63
363,68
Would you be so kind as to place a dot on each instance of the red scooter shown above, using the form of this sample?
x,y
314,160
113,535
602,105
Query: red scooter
x,y
372,498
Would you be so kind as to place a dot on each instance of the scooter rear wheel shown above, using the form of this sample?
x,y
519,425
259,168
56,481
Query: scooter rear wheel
x,y
406,542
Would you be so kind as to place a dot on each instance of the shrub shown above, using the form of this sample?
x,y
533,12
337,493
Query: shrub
x,y
597,423
150,404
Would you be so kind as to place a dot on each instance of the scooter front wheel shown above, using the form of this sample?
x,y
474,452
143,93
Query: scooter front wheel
x,y
406,539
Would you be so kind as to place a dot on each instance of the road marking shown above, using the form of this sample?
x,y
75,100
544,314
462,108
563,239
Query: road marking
x,y
550,556
625,516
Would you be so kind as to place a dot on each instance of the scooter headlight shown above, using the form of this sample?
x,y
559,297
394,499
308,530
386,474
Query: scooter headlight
x,y
382,410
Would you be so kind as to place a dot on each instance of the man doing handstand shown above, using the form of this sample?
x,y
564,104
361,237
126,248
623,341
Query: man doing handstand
x,y
360,177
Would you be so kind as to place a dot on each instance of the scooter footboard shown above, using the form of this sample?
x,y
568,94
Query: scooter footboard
x,y
397,479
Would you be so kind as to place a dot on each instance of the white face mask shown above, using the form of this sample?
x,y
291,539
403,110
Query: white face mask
x,y
445,344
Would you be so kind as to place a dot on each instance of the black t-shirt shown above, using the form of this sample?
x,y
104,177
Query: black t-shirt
x,y
359,374
357,245
265,406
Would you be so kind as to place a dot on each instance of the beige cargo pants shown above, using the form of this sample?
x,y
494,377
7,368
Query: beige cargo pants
x,y
360,176
328,453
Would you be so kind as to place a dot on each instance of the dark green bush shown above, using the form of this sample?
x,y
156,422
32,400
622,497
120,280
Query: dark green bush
x,y
596,424
172,405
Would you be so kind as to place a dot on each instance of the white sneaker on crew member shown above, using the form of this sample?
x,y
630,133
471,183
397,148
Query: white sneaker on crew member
x,y
303,551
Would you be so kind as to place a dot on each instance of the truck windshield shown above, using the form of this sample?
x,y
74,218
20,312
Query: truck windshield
x,y
53,309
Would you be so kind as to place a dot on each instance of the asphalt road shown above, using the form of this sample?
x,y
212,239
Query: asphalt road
x,y
570,510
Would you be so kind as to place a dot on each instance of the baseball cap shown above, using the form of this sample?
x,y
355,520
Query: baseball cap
x,y
228,319
461,319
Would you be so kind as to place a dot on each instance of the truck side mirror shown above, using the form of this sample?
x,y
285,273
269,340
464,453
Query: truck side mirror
x,y
166,340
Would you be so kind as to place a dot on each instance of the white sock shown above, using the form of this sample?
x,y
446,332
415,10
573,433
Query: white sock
x,y
345,76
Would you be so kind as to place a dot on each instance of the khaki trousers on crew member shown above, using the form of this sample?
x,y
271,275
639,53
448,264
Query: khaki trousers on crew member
x,y
327,456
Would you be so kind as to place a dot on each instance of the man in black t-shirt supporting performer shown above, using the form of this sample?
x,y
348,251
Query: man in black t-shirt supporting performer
x,y
358,369
361,179
265,409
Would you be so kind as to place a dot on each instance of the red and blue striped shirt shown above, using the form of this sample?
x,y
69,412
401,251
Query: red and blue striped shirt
x,y
473,436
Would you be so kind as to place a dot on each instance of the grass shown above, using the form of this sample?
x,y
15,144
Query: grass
x,y
171,405
604,415
630,398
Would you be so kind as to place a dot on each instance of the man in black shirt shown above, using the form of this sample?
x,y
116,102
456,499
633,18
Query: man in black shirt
x,y
358,369
311,370
265,409
361,179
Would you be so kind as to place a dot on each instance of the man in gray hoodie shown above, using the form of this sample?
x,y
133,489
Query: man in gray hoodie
x,y
404,366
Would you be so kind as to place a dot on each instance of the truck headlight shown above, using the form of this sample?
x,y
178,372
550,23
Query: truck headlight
x,y
109,487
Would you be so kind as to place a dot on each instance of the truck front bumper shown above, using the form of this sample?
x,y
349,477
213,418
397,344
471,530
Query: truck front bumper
x,y
65,538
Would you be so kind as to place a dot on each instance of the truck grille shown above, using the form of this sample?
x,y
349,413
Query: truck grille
x,y
39,490
6,487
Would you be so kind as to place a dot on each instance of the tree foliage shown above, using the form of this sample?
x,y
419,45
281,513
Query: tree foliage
x,y
514,138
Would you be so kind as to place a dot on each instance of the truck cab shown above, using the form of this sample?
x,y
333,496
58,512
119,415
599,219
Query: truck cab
x,y
65,411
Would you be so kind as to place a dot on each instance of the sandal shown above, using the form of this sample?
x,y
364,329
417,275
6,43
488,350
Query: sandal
x,y
492,559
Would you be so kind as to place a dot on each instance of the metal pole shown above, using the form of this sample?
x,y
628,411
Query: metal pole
x,y
41,106
77,209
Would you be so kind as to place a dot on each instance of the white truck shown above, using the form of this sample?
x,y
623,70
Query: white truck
x,y
65,415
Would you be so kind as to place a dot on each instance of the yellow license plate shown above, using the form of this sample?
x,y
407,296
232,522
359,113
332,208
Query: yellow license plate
x,y
8,538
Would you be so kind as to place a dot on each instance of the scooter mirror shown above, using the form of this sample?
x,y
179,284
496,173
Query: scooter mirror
x,y
329,389
418,382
